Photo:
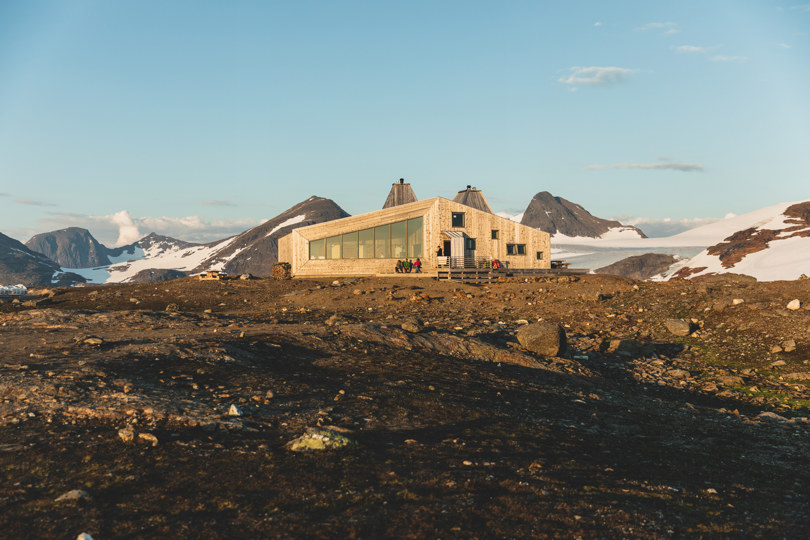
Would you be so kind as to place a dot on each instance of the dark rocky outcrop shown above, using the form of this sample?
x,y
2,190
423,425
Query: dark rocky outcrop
x,y
258,247
556,215
639,266
18,264
73,247
156,275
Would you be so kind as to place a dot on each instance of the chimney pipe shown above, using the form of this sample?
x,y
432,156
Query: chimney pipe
x,y
401,180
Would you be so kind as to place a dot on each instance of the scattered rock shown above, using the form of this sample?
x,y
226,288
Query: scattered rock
x,y
794,304
127,434
678,327
789,345
234,411
776,349
410,326
84,536
321,438
73,495
770,416
89,340
737,301
149,438
543,338
729,380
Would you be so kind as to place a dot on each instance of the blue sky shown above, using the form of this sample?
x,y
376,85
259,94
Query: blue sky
x,y
200,119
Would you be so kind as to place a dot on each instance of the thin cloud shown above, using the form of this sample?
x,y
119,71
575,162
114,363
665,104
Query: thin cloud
x,y
689,49
784,45
30,202
597,23
596,76
724,58
672,166
216,203
801,7
666,28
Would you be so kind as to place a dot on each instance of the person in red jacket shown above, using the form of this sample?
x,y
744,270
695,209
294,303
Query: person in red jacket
x,y
417,266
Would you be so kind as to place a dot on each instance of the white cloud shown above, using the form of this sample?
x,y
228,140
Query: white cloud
x,y
122,228
784,45
724,58
127,229
666,28
689,49
801,7
685,167
596,76
597,23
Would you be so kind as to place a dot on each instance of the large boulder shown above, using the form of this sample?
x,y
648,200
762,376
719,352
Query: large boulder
x,y
543,338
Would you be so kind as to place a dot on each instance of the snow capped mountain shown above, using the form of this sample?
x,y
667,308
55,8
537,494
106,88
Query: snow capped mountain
x,y
769,244
254,251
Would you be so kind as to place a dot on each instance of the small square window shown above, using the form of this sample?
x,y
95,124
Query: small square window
x,y
539,255
458,219
521,249
494,234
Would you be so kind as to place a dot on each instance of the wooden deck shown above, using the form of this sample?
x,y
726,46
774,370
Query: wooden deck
x,y
487,275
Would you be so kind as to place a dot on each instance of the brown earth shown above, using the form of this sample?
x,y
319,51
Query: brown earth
x,y
458,431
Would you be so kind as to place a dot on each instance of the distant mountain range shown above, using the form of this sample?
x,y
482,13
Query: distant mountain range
x,y
773,243
156,258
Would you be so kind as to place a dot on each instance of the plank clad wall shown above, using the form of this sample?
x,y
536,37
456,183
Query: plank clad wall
x,y
436,216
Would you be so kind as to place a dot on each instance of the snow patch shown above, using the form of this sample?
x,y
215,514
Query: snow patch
x,y
291,221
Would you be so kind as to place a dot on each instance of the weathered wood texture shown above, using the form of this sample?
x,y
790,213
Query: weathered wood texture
x,y
436,216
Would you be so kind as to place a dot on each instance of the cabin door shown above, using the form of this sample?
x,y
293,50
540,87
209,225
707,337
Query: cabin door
x,y
446,251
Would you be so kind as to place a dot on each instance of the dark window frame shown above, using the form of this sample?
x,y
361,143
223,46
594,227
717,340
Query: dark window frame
x,y
455,218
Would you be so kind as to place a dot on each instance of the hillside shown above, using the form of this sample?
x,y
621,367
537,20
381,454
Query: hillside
x,y
558,216
677,410
771,244
18,264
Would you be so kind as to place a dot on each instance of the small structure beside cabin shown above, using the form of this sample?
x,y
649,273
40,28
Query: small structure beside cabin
x,y
372,243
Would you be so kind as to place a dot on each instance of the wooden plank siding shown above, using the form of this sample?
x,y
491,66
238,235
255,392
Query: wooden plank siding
x,y
436,214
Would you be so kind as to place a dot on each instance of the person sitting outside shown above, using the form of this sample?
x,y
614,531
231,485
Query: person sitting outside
x,y
417,266
407,265
399,268
496,264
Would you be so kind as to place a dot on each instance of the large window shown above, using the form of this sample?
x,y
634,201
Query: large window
x,y
403,239
381,240
399,246
415,237
457,219
317,249
365,244
350,245
333,247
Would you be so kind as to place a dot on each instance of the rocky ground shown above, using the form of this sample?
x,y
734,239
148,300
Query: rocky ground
x,y
406,407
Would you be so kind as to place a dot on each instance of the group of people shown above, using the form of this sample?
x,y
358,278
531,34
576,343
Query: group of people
x,y
406,266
